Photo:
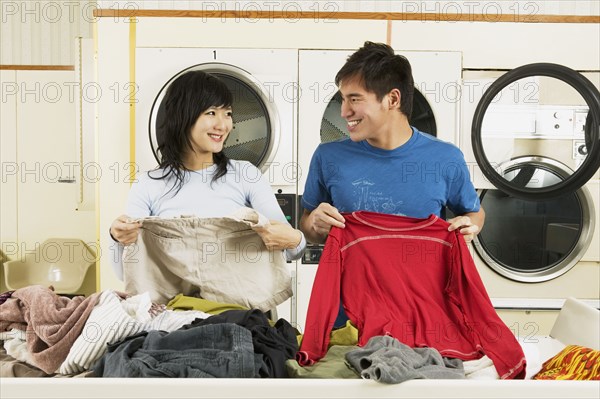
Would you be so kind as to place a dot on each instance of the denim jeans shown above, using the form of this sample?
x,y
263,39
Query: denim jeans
x,y
216,350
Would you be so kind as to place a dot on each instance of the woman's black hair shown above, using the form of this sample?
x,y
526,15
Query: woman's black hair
x,y
187,97
380,69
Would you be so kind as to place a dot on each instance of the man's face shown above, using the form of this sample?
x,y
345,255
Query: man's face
x,y
366,117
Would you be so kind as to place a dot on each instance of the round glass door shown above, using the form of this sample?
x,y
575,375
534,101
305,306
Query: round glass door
x,y
543,110
534,240
255,133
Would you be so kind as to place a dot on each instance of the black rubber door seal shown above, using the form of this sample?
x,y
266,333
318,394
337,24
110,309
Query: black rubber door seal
x,y
590,165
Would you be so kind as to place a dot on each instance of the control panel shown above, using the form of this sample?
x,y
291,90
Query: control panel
x,y
535,122
287,203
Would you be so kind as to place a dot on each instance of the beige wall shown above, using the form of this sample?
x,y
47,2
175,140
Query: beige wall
x,y
561,7
42,32
504,45
40,162
112,137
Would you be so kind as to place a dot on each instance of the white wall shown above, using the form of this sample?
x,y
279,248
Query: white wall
x,y
42,32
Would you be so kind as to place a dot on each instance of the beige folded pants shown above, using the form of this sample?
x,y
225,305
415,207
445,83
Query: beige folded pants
x,y
219,259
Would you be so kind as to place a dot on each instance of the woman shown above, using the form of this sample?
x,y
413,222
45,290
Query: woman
x,y
195,177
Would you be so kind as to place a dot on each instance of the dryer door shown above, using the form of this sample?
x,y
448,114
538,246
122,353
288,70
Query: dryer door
x,y
542,110
255,119
535,240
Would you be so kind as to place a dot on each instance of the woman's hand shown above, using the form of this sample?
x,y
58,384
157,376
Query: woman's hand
x,y
124,230
279,236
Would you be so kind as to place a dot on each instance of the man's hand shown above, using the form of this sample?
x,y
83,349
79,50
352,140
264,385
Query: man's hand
x,y
470,224
316,224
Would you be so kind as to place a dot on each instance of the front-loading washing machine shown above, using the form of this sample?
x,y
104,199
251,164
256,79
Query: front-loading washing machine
x,y
435,111
263,83
534,136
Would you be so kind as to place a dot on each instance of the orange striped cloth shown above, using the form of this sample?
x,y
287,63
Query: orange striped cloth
x,y
574,362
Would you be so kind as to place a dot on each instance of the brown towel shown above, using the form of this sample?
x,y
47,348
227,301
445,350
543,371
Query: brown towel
x,y
53,322
11,316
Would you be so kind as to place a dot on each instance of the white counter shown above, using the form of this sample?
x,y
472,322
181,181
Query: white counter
x,y
289,388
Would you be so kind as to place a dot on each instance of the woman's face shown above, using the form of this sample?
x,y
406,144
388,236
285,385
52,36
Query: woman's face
x,y
210,130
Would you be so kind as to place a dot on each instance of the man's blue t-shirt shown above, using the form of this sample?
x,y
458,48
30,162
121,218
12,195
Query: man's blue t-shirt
x,y
417,179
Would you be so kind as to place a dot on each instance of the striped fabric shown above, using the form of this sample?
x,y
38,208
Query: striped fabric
x,y
113,320
572,363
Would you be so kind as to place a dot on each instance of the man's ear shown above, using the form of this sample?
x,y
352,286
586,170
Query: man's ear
x,y
393,98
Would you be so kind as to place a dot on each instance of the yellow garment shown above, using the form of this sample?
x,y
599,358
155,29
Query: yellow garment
x,y
347,335
572,363
182,302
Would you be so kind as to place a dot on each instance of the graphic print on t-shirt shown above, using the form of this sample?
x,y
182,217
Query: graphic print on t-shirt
x,y
366,197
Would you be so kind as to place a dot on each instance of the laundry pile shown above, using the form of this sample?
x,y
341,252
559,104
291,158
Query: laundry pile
x,y
111,334
115,335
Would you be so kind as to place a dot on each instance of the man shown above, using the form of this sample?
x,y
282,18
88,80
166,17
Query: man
x,y
386,166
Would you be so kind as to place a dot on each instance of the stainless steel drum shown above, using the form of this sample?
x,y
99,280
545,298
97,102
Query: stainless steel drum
x,y
256,129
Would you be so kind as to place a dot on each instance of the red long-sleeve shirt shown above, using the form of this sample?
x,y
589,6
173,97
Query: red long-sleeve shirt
x,y
411,279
